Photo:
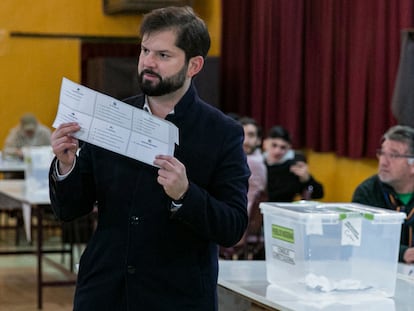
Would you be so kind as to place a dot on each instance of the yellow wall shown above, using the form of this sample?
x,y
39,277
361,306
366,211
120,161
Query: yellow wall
x,y
32,68
340,176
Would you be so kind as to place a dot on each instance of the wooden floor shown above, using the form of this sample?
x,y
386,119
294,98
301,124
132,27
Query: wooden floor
x,y
18,288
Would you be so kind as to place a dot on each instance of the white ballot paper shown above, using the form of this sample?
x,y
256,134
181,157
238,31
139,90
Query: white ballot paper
x,y
114,125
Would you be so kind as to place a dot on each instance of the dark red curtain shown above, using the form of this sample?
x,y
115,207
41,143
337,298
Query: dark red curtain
x,y
323,69
403,97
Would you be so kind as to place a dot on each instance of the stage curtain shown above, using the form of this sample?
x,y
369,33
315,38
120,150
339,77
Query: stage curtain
x,y
324,69
403,97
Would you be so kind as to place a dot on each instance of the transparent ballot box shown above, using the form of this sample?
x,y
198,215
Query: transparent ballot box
x,y
316,247
37,163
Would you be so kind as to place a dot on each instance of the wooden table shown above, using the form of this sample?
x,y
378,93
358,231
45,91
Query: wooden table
x,y
37,201
243,283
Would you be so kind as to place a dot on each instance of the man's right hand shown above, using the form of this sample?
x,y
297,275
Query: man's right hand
x,y
64,145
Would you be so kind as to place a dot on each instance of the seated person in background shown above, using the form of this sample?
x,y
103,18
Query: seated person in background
x,y
287,172
251,145
393,186
250,245
28,133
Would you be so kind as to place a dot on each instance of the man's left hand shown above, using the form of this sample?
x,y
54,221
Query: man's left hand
x,y
172,176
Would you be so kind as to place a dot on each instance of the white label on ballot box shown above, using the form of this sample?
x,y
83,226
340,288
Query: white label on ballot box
x,y
351,231
284,254
314,227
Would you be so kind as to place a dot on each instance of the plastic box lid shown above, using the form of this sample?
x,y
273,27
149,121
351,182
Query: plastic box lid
x,y
305,211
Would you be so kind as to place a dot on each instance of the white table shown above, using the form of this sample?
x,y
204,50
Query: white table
x,y
16,190
37,201
12,169
246,281
8,166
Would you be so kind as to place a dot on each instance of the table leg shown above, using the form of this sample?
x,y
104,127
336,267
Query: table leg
x,y
39,210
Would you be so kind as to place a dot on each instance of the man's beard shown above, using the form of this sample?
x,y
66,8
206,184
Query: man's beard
x,y
249,149
164,86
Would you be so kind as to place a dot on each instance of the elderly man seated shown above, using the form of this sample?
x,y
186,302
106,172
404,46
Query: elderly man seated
x,y
28,133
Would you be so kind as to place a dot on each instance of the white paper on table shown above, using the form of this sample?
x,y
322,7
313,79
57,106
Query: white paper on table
x,y
114,125
406,271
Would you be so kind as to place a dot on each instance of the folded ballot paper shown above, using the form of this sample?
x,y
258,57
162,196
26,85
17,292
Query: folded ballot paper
x,y
114,125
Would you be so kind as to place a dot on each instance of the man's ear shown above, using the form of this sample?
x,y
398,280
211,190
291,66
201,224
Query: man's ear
x,y
410,162
195,64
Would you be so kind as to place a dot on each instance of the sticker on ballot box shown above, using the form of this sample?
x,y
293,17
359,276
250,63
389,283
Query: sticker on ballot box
x,y
283,254
351,231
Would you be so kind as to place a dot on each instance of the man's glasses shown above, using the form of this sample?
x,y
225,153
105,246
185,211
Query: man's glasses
x,y
392,155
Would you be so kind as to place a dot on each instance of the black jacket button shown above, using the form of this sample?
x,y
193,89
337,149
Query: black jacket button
x,y
134,220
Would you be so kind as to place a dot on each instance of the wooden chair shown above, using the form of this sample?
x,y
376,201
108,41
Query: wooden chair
x,y
11,217
252,242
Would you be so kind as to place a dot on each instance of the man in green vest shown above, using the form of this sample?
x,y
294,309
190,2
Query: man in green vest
x,y
393,186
